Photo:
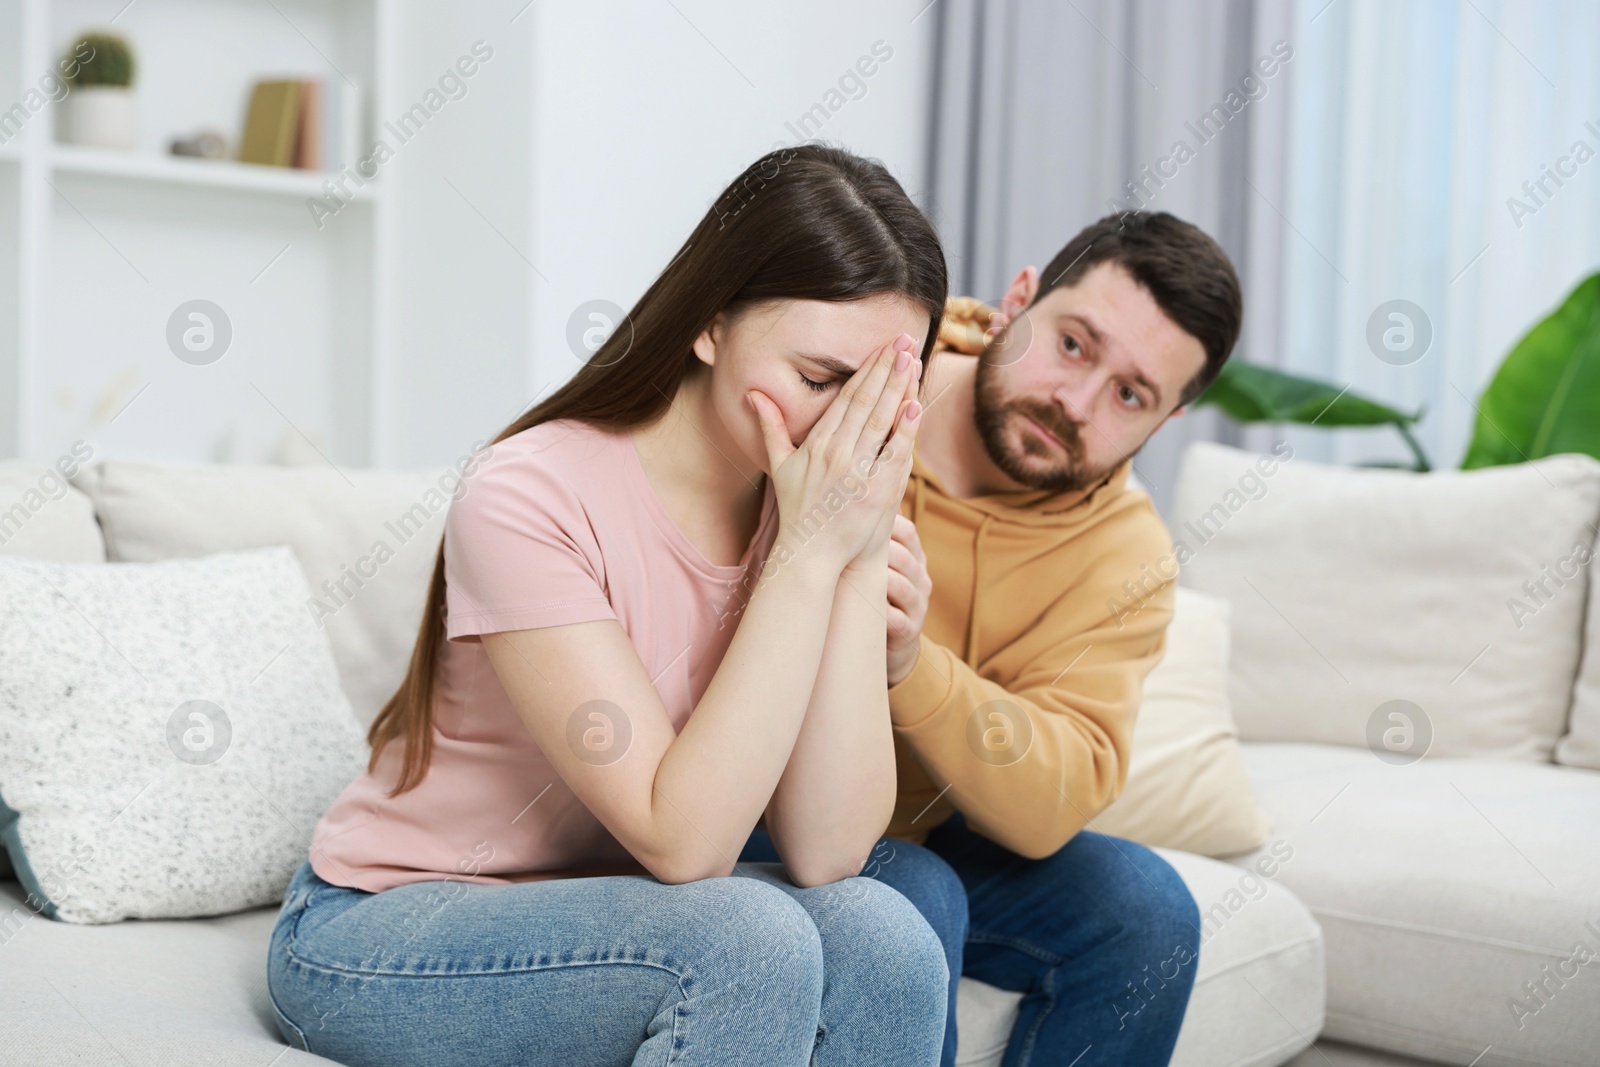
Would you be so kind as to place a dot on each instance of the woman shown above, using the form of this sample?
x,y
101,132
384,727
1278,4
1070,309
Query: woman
x,y
532,870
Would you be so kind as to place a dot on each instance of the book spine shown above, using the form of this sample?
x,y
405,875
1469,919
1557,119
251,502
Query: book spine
x,y
288,124
308,155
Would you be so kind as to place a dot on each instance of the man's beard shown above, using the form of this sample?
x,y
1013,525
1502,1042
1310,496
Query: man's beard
x,y
994,413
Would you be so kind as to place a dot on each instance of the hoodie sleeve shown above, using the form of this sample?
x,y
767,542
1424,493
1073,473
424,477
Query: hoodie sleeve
x,y
1031,753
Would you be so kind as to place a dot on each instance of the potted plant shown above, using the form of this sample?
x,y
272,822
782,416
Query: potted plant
x,y
99,108
1544,399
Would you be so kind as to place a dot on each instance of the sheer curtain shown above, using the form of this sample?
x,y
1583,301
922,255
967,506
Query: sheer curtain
x,y
1369,157
1415,129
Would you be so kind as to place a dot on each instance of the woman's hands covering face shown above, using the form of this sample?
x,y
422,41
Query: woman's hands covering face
x,y
839,492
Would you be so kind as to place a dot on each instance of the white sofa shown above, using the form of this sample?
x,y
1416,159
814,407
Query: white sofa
x,y
1421,920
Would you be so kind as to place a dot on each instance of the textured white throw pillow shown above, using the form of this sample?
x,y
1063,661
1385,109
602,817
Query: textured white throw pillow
x,y
1410,613
169,733
1187,786
43,517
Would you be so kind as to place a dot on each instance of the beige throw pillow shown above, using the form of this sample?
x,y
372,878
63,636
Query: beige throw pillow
x,y
1187,787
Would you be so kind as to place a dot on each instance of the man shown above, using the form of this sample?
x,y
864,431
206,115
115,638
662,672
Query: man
x,y
1027,604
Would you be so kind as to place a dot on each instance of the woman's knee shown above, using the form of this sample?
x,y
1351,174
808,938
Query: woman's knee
x,y
752,935
875,937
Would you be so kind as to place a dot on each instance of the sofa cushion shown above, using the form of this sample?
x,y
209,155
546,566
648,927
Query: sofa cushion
x,y
367,540
1393,609
185,993
1581,746
1449,891
1258,992
168,731
193,993
1187,787
1326,1053
43,516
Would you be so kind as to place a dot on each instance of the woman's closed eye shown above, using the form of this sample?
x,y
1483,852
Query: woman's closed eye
x,y
815,387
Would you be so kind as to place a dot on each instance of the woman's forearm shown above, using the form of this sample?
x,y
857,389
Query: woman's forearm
x,y
717,775
837,792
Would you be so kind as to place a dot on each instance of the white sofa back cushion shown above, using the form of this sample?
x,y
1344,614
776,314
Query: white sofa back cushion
x,y
43,516
366,539
1581,746
1352,588
169,733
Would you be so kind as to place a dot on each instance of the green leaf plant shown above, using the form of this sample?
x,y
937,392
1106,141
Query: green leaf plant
x,y
1544,399
1250,392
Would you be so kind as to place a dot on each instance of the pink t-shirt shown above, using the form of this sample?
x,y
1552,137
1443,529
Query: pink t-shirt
x,y
558,525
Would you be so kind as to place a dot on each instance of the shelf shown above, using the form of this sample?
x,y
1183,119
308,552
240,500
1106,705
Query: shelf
x,y
320,327
215,173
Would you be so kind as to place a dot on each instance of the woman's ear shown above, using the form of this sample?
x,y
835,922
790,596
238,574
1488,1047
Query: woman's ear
x,y
705,346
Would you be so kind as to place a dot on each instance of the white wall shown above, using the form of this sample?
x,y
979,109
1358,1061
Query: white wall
x,y
464,224
643,112
584,154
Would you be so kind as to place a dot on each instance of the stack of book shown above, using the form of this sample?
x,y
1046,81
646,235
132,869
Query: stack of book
x,y
306,123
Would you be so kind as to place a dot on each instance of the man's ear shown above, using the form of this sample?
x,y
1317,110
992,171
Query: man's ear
x,y
1019,294
705,346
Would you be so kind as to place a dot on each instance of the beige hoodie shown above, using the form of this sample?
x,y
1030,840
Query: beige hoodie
x,y
1048,610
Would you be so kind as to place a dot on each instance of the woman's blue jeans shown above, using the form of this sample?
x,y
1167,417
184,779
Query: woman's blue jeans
x,y
617,970
1102,939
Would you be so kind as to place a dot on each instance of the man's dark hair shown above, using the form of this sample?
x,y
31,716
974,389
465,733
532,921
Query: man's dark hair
x,y
1187,273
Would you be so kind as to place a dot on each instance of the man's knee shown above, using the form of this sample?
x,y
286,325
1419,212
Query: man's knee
x,y
1148,893
1160,940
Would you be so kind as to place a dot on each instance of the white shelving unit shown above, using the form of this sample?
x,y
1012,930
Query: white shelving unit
x,y
99,248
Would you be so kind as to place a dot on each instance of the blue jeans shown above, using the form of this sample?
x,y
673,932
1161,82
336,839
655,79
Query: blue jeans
x,y
1101,939
616,970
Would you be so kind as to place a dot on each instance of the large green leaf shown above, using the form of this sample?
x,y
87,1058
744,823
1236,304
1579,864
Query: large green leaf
x,y
1252,393
1545,398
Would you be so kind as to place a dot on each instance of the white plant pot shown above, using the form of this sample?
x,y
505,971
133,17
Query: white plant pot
x,y
104,116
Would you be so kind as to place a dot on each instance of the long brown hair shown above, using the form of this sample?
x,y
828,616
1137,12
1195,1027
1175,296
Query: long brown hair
x,y
812,222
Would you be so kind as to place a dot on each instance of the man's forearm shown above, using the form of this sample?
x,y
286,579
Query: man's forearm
x,y
1029,763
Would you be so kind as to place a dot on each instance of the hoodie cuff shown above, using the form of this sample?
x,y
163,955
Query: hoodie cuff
x,y
923,691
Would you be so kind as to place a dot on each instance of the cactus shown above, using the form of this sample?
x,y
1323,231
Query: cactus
x,y
98,59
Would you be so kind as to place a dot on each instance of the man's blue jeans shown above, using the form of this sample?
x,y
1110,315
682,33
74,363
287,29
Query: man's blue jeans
x,y
1102,939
